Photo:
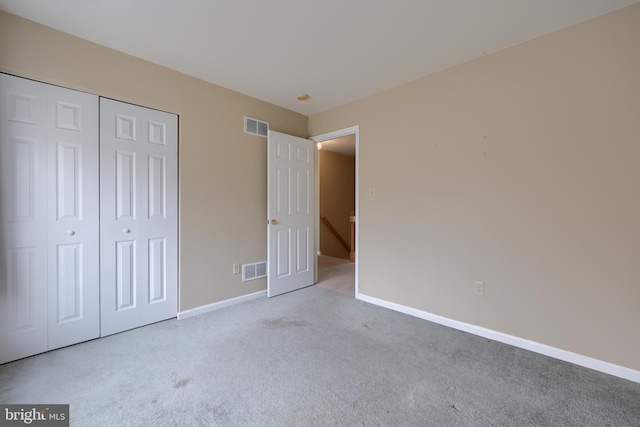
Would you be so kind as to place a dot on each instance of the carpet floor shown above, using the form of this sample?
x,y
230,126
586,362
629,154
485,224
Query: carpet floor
x,y
314,357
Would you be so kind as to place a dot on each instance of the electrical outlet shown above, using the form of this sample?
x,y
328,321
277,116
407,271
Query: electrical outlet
x,y
236,268
372,192
478,288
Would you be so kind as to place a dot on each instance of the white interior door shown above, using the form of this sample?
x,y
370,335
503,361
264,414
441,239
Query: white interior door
x,y
73,225
23,211
138,216
291,213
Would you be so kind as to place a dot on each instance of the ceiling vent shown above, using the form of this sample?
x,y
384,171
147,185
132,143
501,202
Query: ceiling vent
x,y
255,127
257,270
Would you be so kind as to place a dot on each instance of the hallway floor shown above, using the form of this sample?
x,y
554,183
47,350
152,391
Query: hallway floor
x,y
337,274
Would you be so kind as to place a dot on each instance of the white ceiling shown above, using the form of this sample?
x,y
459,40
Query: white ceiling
x,y
337,51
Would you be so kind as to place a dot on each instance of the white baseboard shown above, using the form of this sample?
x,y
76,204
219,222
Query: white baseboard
x,y
220,304
567,356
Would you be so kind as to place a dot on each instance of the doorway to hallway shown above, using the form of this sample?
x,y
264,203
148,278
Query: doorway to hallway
x,y
335,271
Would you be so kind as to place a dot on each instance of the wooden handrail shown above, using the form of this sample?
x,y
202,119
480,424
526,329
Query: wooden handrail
x,y
335,232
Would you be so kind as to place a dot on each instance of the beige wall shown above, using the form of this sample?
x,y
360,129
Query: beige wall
x,y
337,200
520,169
222,173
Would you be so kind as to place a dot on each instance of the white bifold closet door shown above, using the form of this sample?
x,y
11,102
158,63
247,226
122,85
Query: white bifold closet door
x,y
49,280
138,216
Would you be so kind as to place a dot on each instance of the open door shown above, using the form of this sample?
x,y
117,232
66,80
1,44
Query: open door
x,y
290,207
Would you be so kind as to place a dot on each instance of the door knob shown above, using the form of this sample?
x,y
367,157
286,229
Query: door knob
x,y
274,222
126,230
70,232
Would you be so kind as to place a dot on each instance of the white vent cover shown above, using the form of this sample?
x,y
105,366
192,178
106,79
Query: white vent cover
x,y
253,271
255,127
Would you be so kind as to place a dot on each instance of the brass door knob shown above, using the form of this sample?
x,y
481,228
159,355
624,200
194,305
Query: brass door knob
x,y
274,222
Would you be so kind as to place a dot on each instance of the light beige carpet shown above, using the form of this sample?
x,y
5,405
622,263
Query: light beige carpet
x,y
337,274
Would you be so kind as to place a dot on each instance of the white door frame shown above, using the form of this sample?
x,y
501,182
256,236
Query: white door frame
x,y
353,130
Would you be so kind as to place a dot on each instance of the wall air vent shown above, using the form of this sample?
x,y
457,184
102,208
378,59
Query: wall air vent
x,y
257,270
255,127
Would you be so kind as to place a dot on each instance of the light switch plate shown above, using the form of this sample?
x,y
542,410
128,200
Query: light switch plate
x,y
478,288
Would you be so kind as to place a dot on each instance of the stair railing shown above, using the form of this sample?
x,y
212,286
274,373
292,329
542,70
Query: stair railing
x,y
336,233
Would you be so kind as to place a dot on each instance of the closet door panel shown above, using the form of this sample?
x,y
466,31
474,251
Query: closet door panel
x,y
138,228
49,288
73,226
23,218
120,231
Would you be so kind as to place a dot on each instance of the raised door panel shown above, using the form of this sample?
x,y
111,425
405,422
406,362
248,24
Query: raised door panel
x,y
303,212
282,210
68,200
302,255
126,277
157,270
125,185
21,289
157,187
23,217
282,261
21,180
73,217
69,283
